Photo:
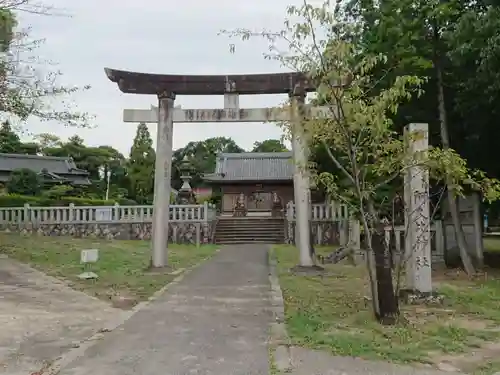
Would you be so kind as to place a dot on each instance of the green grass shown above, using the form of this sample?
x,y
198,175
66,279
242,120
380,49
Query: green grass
x,y
489,367
329,312
121,266
491,244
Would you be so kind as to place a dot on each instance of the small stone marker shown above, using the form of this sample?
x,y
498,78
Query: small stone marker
x,y
88,257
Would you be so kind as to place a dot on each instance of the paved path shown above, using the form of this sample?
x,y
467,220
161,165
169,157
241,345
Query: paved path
x,y
41,318
215,321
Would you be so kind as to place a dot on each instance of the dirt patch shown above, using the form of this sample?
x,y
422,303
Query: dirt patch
x,y
42,318
307,362
473,324
471,361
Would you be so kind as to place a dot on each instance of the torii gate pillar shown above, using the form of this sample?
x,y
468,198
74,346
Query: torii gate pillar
x,y
163,177
301,183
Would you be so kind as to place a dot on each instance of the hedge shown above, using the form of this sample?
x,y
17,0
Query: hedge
x,y
13,200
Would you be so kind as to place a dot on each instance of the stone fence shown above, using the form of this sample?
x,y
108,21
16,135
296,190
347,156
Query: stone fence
x,y
329,224
189,224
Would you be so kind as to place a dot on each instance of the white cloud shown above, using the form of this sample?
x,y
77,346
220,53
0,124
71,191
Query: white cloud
x,y
154,36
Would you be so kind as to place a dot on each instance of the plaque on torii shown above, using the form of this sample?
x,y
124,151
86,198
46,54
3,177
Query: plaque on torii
x,y
166,87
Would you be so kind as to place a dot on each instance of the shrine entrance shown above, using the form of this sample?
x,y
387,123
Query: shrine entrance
x,y
166,87
260,201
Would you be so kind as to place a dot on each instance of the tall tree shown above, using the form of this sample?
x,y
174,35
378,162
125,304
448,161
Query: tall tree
x,y
269,145
202,155
10,142
30,148
359,134
474,54
141,165
7,25
47,140
411,33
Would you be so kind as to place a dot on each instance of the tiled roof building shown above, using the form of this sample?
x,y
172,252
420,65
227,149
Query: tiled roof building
x,y
258,176
51,168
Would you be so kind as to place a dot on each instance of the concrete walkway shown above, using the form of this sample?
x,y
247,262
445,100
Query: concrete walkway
x,y
41,318
312,362
215,321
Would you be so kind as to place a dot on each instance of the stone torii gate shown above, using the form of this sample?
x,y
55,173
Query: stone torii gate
x,y
166,87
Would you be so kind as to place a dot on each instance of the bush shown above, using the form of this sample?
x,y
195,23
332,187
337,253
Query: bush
x,y
16,200
126,202
215,198
57,191
25,182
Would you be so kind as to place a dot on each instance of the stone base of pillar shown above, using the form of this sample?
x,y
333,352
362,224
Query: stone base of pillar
x,y
158,270
414,297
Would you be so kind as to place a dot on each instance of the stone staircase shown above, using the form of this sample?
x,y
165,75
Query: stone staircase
x,y
249,229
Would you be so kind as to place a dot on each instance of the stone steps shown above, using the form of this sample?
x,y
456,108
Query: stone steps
x,y
244,230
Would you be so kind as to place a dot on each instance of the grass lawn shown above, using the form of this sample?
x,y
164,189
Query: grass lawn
x,y
491,244
329,312
121,266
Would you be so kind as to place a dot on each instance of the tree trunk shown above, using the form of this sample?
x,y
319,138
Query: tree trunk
x,y
452,202
445,139
388,303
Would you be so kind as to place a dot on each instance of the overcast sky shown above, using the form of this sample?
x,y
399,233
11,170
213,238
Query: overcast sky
x,y
178,37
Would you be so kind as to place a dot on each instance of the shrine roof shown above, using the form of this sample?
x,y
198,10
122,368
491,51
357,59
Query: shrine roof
x,y
252,166
243,84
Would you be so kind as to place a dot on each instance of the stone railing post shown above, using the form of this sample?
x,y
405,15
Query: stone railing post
x,y
198,234
26,213
116,212
205,223
355,241
439,241
71,212
343,231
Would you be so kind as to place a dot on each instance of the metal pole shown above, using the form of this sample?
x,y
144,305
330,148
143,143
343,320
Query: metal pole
x,y
163,176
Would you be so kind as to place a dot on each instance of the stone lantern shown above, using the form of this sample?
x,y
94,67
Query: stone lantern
x,y
186,195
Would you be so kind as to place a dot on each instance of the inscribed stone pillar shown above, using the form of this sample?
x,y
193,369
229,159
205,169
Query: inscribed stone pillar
x,y
163,176
418,244
301,181
408,238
